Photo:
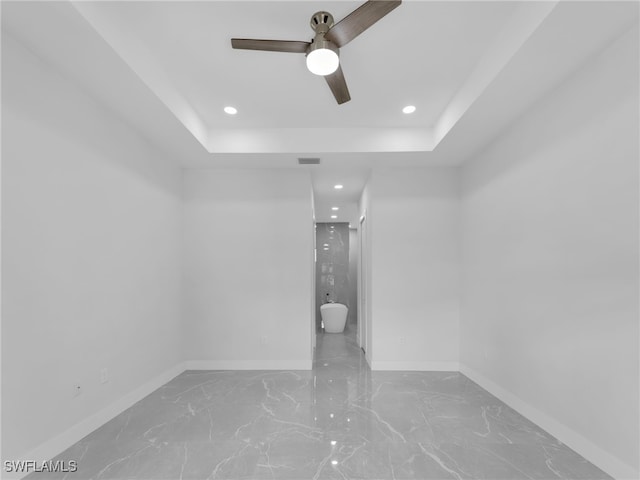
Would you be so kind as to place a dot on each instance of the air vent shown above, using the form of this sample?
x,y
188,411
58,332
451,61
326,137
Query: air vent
x,y
308,161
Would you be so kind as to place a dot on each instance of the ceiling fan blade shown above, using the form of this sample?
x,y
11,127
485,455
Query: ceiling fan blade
x,y
338,86
290,46
359,20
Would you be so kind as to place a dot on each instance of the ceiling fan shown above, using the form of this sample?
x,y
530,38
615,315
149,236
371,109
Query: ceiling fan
x,y
322,51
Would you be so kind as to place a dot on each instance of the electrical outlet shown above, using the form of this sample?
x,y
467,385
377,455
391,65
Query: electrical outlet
x,y
77,389
401,340
104,375
264,340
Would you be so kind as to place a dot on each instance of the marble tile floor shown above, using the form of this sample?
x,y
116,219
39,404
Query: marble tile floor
x,y
338,421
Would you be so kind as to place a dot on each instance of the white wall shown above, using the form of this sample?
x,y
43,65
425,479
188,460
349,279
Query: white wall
x,y
365,272
415,269
353,277
550,255
247,270
313,256
90,257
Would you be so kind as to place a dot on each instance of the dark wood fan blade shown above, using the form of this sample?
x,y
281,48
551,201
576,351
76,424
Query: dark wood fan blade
x,y
338,86
270,45
359,20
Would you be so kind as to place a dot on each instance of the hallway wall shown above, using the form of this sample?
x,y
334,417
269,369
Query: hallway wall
x,y
352,319
247,274
365,270
550,261
90,260
415,268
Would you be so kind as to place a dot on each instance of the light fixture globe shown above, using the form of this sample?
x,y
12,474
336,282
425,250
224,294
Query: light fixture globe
x,y
322,55
322,61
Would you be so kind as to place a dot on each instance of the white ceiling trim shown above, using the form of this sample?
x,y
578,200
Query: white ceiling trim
x,y
320,140
523,24
137,56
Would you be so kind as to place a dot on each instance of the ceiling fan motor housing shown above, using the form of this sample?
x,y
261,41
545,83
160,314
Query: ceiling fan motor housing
x,y
321,22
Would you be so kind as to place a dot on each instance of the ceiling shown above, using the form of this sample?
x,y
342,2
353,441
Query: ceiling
x,y
168,69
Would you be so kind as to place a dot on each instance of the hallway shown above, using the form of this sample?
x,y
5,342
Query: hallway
x,y
340,420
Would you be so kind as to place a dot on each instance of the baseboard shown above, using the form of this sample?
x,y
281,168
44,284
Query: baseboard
x,y
416,366
249,365
61,442
596,455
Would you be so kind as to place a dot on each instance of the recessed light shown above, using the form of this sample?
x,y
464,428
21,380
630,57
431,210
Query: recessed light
x,y
230,110
335,209
334,216
409,109
338,187
333,442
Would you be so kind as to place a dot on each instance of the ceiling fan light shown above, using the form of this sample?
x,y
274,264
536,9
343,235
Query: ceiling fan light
x,y
322,61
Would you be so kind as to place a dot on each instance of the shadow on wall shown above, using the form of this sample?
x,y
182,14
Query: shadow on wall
x,y
335,270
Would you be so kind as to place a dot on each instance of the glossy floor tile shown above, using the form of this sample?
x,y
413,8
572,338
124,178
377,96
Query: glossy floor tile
x,y
338,421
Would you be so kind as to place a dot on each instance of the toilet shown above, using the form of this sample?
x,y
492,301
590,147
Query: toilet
x,y
334,317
